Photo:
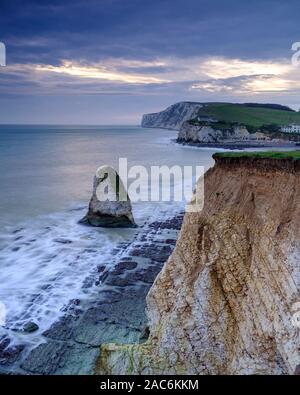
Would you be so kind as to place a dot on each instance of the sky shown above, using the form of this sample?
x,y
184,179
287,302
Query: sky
x,y
110,61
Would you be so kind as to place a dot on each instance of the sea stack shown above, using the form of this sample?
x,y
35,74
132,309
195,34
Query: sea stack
x,y
110,205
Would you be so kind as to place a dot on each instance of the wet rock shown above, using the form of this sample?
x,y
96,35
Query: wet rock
x,y
117,281
147,275
101,332
30,327
122,266
138,292
75,302
120,322
103,276
78,360
115,251
110,206
9,354
62,329
88,282
46,286
14,232
171,241
38,360
89,250
100,268
159,253
172,223
63,241
50,357
109,296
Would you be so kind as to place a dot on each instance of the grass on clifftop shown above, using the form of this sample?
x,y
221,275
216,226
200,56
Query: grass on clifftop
x,y
266,154
249,116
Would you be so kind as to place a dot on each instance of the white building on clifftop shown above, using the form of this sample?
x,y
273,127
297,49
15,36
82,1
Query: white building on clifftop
x,y
292,128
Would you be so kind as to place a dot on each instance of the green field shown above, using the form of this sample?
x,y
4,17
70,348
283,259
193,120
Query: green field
x,y
265,154
249,116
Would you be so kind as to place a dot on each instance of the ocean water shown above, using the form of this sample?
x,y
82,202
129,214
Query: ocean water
x,y
46,183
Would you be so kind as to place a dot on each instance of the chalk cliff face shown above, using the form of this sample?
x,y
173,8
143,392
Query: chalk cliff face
x,y
227,300
177,117
173,117
207,134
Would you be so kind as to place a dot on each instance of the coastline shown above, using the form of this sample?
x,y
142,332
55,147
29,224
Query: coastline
x,y
116,313
49,260
72,344
237,145
225,258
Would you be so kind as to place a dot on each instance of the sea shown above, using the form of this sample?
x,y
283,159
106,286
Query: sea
x,y
45,185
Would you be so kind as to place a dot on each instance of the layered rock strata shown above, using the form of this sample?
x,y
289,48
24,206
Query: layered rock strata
x,y
227,300
207,134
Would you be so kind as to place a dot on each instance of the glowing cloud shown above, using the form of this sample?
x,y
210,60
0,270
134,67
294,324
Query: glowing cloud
x,y
98,72
227,68
194,75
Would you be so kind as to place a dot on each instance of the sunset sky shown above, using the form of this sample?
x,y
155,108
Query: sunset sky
x,y
110,61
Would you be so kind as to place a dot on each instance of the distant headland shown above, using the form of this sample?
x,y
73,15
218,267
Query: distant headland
x,y
229,124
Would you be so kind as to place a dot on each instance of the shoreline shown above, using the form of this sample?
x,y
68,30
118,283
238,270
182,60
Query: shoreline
x,y
237,145
115,313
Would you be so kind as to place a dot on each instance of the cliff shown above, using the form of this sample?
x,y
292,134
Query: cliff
x,y
227,300
173,117
225,122
190,133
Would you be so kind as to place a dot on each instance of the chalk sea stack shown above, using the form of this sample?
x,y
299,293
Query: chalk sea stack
x,y
110,206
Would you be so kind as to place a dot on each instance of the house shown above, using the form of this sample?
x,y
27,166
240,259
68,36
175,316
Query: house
x,y
292,128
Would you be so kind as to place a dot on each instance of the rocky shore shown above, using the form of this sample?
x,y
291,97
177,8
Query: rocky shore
x,y
242,145
227,300
115,313
231,146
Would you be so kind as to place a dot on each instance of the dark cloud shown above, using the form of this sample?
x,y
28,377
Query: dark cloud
x,y
133,28
47,32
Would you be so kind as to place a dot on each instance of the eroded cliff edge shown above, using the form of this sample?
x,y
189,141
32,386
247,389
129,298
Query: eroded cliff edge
x,y
225,300
173,117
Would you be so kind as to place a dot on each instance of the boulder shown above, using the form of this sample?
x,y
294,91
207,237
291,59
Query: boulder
x,y
30,327
110,206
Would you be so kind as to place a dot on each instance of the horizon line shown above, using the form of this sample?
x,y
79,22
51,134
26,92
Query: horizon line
x,y
66,124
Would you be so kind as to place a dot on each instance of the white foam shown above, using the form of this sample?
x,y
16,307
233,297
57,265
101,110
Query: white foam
x,y
45,262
